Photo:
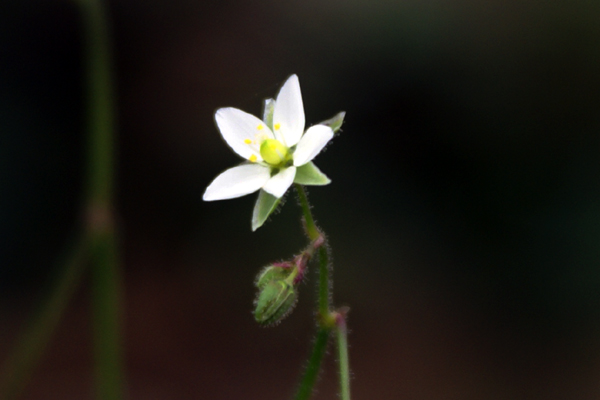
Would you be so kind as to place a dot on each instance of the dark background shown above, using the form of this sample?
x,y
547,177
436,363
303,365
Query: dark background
x,y
464,212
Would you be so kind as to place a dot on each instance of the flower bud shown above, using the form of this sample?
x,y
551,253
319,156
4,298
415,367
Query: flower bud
x,y
275,301
269,273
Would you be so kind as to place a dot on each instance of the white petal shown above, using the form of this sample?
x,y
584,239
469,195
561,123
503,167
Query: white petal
x,y
311,144
237,127
279,183
237,181
289,113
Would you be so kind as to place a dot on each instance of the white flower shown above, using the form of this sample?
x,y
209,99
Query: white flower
x,y
278,150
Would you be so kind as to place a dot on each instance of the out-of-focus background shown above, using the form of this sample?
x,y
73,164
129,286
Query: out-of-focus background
x,y
464,212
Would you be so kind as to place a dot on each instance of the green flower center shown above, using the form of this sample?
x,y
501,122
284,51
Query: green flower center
x,y
273,152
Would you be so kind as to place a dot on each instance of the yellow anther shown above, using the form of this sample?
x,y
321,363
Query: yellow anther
x,y
252,158
277,126
247,141
260,126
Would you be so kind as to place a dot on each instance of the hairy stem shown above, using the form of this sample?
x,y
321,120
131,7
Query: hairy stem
x,y
313,234
343,362
320,346
311,228
311,373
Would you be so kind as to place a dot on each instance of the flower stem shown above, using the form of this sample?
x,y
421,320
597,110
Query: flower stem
x,y
342,343
314,365
313,234
320,346
30,348
324,282
106,293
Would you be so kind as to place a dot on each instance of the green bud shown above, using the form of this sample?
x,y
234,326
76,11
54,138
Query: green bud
x,y
275,301
270,273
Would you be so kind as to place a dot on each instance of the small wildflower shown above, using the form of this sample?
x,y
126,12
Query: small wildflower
x,y
278,150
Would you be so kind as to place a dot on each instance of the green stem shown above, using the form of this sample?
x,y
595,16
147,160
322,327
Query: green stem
x,y
313,234
106,296
311,228
342,342
100,103
29,350
98,241
314,365
324,283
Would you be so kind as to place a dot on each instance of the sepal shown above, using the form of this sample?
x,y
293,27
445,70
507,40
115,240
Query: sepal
x,y
264,207
335,123
270,273
309,174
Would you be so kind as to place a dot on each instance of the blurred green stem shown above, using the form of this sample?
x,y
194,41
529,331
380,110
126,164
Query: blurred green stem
x,y
106,292
106,298
31,345
97,243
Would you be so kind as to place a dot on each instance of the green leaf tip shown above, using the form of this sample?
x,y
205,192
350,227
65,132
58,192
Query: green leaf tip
x,y
309,174
335,123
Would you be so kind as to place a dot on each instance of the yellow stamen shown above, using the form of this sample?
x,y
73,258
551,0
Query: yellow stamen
x,y
252,158
259,127
277,126
247,141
